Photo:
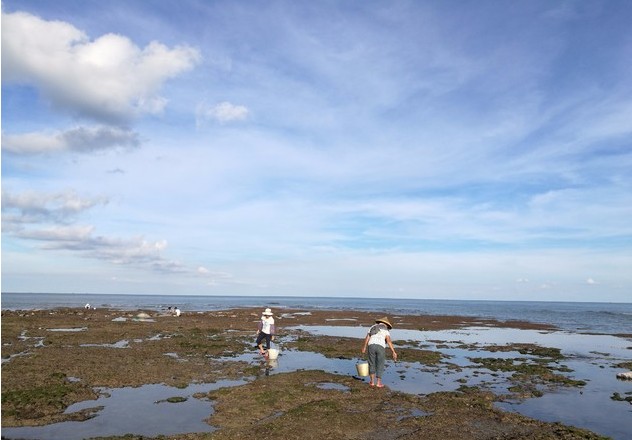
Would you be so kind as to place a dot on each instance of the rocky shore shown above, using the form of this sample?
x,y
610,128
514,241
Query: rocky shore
x,y
55,358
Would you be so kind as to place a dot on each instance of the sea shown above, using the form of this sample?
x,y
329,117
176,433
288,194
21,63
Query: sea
x,y
578,317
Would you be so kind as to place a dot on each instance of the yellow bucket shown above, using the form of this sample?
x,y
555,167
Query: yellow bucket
x,y
363,368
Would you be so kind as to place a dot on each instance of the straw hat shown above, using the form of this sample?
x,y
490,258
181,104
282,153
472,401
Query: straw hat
x,y
384,321
267,312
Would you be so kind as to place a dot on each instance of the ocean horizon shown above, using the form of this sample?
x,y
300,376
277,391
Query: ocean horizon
x,y
582,317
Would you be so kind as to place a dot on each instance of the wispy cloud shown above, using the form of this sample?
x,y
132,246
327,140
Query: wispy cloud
x,y
80,140
224,112
50,220
34,207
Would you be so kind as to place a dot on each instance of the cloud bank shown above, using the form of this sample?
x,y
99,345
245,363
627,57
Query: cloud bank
x,y
50,221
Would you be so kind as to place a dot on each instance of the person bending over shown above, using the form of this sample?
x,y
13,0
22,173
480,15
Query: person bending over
x,y
375,343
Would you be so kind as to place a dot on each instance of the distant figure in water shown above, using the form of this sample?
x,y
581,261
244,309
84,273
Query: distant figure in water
x,y
376,339
265,330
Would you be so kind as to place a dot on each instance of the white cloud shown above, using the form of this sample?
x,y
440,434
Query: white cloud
x,y
130,251
48,219
590,281
33,207
223,112
108,79
59,234
80,139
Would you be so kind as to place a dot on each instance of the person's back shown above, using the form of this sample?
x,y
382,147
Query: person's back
x,y
265,330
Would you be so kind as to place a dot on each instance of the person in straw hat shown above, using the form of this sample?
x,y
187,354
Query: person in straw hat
x,y
265,330
375,343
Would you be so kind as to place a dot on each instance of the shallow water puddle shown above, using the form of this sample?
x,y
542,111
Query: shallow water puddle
x,y
588,407
294,314
333,386
140,411
39,342
591,357
120,344
408,377
10,357
72,330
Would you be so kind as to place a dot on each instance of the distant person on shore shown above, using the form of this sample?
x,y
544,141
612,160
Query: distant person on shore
x,y
375,343
176,311
265,330
87,306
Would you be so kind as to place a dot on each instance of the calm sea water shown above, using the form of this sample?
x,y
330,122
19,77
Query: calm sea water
x,y
584,317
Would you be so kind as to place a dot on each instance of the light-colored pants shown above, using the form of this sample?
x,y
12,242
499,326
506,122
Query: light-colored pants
x,y
376,357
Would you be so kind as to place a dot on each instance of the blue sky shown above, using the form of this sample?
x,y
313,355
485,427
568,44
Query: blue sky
x,y
413,149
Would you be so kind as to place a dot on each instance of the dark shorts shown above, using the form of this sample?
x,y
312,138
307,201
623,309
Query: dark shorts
x,y
265,336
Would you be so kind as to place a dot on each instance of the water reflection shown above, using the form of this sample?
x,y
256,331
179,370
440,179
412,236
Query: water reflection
x,y
589,407
141,411
591,357
69,330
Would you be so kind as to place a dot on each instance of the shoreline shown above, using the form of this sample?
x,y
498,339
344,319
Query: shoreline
x,y
205,347
592,318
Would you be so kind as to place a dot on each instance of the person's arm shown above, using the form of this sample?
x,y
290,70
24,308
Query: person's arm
x,y
366,343
259,327
390,344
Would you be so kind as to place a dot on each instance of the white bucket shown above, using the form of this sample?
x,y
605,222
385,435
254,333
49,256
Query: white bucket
x,y
363,368
273,353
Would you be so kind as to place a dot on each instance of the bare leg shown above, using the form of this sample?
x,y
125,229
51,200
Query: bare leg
x,y
372,382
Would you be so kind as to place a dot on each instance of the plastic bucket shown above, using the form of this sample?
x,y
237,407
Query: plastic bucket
x,y
273,353
363,368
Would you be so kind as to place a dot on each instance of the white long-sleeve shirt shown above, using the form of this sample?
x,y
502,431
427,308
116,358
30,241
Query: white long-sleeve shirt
x,y
266,325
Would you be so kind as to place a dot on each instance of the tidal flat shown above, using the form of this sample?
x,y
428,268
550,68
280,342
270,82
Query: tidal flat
x,y
76,373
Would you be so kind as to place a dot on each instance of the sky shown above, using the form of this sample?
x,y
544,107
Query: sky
x,y
392,149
